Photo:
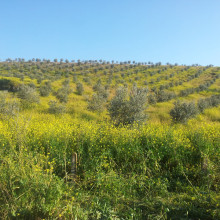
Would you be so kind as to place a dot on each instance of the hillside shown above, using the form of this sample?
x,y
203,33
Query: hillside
x,y
157,166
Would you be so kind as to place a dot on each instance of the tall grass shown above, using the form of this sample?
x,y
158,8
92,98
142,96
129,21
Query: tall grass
x,y
148,172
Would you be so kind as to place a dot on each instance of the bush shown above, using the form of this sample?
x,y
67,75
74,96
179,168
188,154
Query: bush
x,y
183,111
32,85
66,83
97,86
163,96
56,108
96,103
45,89
79,88
152,99
124,110
62,94
214,100
28,94
6,84
8,108
203,104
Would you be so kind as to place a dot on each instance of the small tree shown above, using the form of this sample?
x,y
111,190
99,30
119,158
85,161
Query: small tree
x,y
126,110
183,111
96,103
8,108
28,94
45,89
203,104
79,88
62,94
56,108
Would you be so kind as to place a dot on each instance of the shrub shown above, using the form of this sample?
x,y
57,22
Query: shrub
x,y
28,94
124,110
45,89
203,104
32,85
75,79
163,96
87,80
8,108
183,111
79,88
96,103
66,83
97,86
62,94
56,108
152,99
6,84
214,100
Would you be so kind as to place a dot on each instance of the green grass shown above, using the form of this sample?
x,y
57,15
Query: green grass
x,y
156,170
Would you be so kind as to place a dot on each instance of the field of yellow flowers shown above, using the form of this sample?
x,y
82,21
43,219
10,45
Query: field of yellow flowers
x,y
50,111
150,171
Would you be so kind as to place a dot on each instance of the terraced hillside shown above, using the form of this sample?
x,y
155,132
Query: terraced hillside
x,y
147,138
166,84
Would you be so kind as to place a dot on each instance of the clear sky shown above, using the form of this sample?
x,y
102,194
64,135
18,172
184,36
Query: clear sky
x,y
182,31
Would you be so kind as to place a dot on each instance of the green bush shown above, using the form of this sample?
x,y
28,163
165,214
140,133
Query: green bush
x,y
62,94
46,89
126,110
203,104
56,108
6,84
28,94
96,103
152,99
79,88
183,111
8,108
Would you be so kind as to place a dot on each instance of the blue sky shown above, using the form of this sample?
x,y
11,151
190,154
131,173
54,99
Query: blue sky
x,y
182,31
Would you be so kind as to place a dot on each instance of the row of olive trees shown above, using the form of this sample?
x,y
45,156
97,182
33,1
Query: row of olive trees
x,y
125,107
183,111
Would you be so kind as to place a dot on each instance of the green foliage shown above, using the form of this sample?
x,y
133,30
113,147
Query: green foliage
x,y
56,108
152,99
99,99
46,89
159,170
146,172
183,111
124,110
209,102
163,96
26,190
8,108
9,85
28,94
62,94
96,103
79,88
202,105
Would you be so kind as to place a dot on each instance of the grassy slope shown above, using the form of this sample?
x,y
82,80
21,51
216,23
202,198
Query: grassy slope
x,y
156,171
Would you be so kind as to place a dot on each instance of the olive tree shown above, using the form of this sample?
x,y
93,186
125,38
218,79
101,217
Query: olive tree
x,y
127,108
28,94
183,111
